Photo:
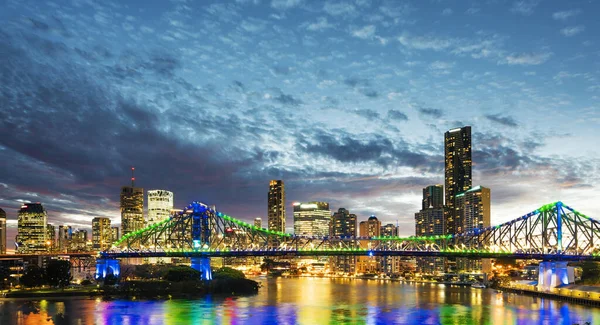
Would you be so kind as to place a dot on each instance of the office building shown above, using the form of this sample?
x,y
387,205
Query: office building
x,y
430,222
51,237
458,178
2,232
160,204
474,209
312,219
343,224
258,222
31,229
433,197
389,230
390,264
65,234
114,234
276,206
132,209
369,228
79,241
101,234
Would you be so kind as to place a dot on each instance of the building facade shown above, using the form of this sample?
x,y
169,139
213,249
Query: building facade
x,y
31,229
79,242
160,204
276,206
343,224
2,232
311,219
51,237
65,234
114,234
430,222
258,222
474,209
101,234
369,228
433,197
132,209
458,177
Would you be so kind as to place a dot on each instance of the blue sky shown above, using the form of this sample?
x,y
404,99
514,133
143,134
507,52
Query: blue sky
x,y
347,101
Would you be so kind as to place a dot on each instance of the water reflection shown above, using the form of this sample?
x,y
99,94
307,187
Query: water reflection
x,y
312,301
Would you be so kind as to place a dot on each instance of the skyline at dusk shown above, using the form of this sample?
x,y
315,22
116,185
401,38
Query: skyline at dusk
x,y
347,102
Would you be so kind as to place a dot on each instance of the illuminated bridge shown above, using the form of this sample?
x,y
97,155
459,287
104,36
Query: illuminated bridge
x,y
554,232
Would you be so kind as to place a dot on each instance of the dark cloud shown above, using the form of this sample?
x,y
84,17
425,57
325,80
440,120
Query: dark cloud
x,y
504,120
433,112
287,100
361,85
396,115
367,113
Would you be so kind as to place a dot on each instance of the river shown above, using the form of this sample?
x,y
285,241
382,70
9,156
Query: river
x,y
312,301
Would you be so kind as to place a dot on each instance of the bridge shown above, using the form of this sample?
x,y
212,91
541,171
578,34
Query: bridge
x,y
554,232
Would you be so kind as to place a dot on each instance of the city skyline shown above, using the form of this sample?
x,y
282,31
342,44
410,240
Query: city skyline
x,y
267,107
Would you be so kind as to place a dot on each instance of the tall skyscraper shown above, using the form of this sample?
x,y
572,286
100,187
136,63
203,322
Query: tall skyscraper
x,y
51,237
458,178
31,228
65,234
343,224
474,209
390,264
276,206
430,222
389,230
433,197
369,228
79,240
160,204
114,234
2,232
132,208
258,222
311,219
101,233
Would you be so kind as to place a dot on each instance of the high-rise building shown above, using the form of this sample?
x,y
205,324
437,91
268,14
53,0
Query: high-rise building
x,y
389,230
79,240
132,209
101,233
390,264
2,232
51,237
258,222
65,234
369,228
312,218
160,204
31,229
276,206
433,197
114,234
343,224
457,146
473,208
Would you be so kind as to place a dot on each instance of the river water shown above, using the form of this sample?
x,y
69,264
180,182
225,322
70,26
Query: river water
x,y
312,301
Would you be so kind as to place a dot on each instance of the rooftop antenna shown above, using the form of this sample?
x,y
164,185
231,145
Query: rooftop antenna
x,y
132,176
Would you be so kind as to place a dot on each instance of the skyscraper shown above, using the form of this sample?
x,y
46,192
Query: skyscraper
x,y
390,264
2,232
311,219
369,228
79,240
65,234
114,234
51,237
457,146
343,224
276,206
101,233
160,204
474,209
132,209
430,222
433,196
258,222
31,228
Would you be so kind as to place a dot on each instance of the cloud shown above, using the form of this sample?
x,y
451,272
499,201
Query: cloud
x,y
526,58
339,8
524,7
572,30
365,32
285,4
362,85
367,113
564,15
447,12
320,25
440,67
287,100
396,115
432,112
504,120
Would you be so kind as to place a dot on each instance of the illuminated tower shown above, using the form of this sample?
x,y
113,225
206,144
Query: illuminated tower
x,y
101,233
311,219
276,206
160,204
258,222
457,146
473,207
2,232
369,228
31,227
433,197
132,207
65,234
50,237
343,224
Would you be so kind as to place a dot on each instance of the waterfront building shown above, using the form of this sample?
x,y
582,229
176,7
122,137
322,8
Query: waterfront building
x,y
343,224
51,237
390,264
258,222
160,204
458,177
114,234
311,219
132,209
79,241
430,222
2,232
64,238
276,206
474,209
369,228
433,197
31,229
101,233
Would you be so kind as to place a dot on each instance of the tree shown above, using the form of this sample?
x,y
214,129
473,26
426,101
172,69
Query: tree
x,y
4,276
33,277
229,273
182,273
58,273
590,272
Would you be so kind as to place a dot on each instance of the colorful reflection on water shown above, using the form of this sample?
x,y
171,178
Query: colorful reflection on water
x,y
312,301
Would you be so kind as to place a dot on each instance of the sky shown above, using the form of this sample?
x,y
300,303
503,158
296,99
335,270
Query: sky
x,y
346,101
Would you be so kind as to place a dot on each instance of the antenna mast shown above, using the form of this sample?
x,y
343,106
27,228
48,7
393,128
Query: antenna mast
x,y
132,176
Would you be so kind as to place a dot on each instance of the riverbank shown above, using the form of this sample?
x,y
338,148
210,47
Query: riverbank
x,y
53,293
572,293
464,284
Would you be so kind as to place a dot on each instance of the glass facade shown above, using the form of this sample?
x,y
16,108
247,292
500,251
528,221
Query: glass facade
x,y
31,227
312,219
458,177
132,209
